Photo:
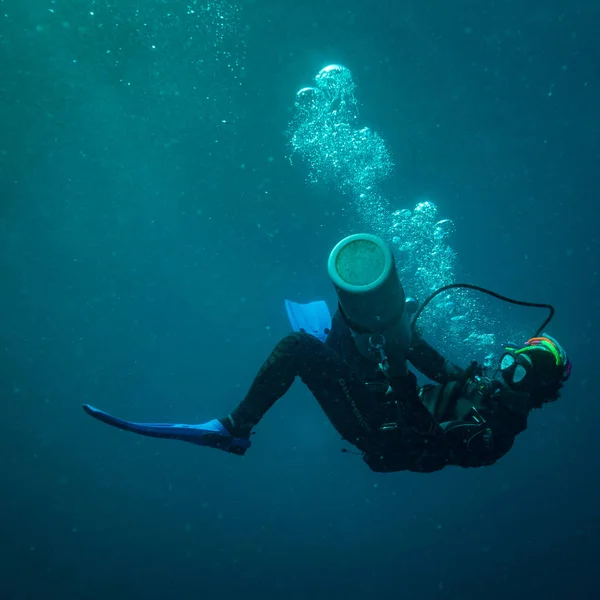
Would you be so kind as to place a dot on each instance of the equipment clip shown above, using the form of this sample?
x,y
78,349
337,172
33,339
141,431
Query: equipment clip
x,y
384,364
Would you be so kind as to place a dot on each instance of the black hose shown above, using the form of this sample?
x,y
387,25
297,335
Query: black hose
x,y
476,288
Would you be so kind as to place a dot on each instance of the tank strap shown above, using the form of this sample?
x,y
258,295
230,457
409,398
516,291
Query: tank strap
x,y
381,327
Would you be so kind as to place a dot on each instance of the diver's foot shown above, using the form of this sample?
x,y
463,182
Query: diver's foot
x,y
237,431
235,428
216,435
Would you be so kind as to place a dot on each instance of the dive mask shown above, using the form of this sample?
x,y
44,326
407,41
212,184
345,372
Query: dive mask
x,y
541,362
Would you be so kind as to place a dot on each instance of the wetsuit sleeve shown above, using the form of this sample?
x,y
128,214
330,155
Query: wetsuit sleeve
x,y
431,363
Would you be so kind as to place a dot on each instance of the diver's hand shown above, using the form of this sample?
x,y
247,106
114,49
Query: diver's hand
x,y
473,370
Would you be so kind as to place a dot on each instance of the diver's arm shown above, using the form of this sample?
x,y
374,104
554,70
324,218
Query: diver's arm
x,y
481,438
414,413
463,444
431,363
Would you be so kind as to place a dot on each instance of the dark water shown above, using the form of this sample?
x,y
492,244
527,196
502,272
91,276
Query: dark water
x,y
146,247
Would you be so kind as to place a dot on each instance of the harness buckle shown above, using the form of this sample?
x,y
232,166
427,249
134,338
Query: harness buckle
x,y
391,426
379,346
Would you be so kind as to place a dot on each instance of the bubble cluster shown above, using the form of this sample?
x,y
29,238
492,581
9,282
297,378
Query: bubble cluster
x,y
426,262
425,259
325,133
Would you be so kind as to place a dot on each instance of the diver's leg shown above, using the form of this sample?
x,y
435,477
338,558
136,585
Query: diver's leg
x,y
344,399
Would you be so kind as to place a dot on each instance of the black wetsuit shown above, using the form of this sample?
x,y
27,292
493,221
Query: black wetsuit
x,y
462,421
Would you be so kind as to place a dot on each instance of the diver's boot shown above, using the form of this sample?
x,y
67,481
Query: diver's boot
x,y
212,434
236,427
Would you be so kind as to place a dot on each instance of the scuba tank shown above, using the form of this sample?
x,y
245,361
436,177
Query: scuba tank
x,y
371,300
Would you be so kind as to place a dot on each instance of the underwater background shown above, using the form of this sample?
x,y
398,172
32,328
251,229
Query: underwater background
x,y
165,184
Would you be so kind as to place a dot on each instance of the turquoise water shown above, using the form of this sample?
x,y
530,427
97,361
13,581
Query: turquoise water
x,y
163,188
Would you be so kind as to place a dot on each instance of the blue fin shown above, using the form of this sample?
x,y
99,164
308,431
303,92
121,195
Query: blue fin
x,y
211,434
313,318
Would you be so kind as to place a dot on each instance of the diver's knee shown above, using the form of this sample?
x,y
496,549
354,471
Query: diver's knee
x,y
301,337
296,342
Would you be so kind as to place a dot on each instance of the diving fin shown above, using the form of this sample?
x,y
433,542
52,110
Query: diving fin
x,y
212,434
313,318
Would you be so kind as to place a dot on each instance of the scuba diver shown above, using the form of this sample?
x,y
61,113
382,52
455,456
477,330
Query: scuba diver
x,y
356,366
